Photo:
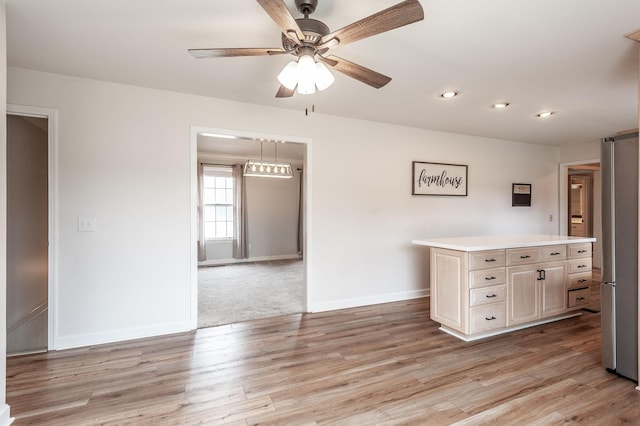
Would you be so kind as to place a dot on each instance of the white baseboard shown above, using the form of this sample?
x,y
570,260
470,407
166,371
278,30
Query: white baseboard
x,y
218,262
368,300
90,339
5,419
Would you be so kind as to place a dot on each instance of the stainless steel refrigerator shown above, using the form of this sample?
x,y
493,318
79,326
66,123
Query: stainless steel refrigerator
x,y
619,288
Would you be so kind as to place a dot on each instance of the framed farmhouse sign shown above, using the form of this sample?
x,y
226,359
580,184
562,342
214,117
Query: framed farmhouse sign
x,y
439,179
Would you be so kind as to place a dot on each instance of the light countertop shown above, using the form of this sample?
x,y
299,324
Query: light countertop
x,y
494,242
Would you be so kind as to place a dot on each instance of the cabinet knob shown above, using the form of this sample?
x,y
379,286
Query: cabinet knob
x,y
490,318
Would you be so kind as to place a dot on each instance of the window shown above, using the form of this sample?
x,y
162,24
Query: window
x,y
218,202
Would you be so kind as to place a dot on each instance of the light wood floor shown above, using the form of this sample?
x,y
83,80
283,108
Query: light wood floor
x,y
386,364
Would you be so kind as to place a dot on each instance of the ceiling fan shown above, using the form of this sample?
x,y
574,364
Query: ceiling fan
x,y
311,40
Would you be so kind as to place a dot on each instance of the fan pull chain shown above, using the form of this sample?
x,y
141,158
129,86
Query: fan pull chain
x,y
313,109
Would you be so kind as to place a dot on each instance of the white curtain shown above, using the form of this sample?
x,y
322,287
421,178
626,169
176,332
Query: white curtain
x,y
202,243
241,237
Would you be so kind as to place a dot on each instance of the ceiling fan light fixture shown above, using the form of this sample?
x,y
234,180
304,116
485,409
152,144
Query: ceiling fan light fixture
x,y
288,77
324,78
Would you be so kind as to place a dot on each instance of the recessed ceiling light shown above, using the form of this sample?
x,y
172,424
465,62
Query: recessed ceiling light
x,y
545,114
449,94
500,105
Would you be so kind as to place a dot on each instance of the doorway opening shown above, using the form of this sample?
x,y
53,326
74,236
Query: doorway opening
x,y
249,232
580,203
31,239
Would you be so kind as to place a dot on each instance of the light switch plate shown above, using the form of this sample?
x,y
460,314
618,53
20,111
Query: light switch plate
x,y
86,224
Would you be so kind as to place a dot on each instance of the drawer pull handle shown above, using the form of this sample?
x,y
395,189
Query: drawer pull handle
x,y
555,253
489,260
582,266
582,280
491,318
526,256
491,296
582,251
579,299
490,278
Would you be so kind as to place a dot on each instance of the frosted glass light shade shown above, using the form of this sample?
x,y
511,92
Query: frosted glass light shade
x,y
324,78
306,75
288,77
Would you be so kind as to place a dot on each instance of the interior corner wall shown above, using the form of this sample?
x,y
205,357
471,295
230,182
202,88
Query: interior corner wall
x,y
124,159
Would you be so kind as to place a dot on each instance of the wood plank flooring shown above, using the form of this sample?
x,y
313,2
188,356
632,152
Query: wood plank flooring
x,y
378,365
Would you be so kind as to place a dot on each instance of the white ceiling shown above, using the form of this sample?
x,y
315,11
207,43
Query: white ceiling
x,y
568,56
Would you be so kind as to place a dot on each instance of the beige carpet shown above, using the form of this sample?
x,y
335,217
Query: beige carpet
x,y
247,291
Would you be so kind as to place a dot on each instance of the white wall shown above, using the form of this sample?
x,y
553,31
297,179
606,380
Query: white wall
x,y
581,152
124,159
4,408
272,206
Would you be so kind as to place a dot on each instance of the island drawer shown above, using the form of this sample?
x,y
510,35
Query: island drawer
x,y
522,256
579,250
579,265
578,297
487,277
486,259
488,317
486,295
580,280
550,253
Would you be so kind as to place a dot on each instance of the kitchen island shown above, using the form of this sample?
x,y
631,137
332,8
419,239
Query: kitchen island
x,y
482,286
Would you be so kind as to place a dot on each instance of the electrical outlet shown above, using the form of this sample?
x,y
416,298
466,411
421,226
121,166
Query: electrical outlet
x,y
86,224
550,218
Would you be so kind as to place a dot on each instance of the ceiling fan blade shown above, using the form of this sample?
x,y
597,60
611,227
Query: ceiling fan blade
x,y
228,52
404,13
283,92
363,74
282,17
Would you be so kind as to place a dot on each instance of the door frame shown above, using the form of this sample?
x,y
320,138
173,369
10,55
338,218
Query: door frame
x,y
193,175
52,190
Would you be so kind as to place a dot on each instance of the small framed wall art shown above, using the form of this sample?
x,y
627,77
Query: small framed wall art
x,y
521,195
439,179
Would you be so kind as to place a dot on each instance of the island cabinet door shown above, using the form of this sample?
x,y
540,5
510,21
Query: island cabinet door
x,y
553,288
522,294
449,290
